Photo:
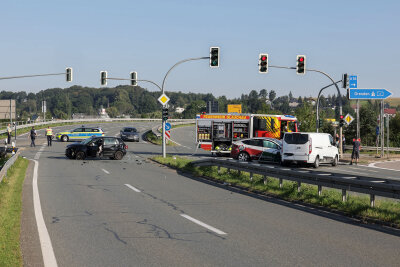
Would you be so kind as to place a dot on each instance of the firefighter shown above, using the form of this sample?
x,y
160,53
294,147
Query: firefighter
x,y
49,134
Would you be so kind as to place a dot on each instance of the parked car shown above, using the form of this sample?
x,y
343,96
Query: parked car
x,y
309,148
112,147
261,148
129,134
80,133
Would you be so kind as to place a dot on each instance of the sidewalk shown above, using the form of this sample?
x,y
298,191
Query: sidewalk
x,y
370,158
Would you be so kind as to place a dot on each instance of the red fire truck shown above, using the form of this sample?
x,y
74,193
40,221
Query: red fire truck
x,y
216,132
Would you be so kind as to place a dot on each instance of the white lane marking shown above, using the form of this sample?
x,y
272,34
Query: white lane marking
x,y
372,165
37,155
360,169
133,188
324,174
105,171
49,258
209,227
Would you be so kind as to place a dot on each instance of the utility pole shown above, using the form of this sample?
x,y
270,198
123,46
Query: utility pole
x,y
387,135
358,118
382,130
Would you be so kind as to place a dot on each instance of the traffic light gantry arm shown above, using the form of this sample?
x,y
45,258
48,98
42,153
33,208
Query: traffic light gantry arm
x,y
124,79
176,64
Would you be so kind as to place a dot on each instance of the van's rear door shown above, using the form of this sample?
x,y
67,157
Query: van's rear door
x,y
296,145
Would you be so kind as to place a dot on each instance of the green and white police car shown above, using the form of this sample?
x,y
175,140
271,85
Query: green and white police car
x,y
80,133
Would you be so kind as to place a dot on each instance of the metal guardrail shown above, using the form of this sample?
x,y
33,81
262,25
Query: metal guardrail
x,y
362,184
373,148
93,121
7,165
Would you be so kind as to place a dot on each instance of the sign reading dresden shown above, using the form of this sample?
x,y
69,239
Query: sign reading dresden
x,y
369,94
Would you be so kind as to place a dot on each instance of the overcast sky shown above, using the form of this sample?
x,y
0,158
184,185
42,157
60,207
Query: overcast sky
x,y
357,37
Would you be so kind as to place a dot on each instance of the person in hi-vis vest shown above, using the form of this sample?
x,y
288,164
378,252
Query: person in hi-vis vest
x,y
49,134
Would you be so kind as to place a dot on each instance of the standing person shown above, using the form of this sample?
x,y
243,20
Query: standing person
x,y
356,151
9,131
337,140
343,143
32,135
49,134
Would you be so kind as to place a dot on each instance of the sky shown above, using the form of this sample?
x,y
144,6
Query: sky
x,y
355,37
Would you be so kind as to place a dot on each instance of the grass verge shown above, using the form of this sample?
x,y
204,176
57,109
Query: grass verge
x,y
356,205
10,213
152,138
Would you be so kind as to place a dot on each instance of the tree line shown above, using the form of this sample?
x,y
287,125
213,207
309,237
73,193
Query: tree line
x,y
136,101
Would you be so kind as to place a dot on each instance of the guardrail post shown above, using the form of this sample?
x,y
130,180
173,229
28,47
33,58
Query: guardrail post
x,y
372,200
319,190
298,187
265,180
251,176
344,195
280,183
228,170
219,169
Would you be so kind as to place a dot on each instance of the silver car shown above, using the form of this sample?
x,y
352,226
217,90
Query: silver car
x,y
130,134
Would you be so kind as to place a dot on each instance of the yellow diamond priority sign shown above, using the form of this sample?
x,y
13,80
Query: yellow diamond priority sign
x,y
163,99
348,119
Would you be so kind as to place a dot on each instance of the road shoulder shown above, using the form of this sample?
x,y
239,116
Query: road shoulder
x,y
30,243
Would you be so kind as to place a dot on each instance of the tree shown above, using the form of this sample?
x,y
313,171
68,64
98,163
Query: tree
x,y
306,116
272,95
263,94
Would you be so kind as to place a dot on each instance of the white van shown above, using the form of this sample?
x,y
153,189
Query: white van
x,y
311,148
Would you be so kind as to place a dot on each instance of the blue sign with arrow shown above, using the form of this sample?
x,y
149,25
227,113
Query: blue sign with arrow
x,y
353,81
168,126
369,94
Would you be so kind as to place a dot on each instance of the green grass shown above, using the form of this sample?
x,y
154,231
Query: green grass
x,y
152,138
10,214
356,205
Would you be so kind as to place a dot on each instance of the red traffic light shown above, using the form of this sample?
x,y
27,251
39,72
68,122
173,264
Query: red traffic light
x,y
263,58
301,59
341,117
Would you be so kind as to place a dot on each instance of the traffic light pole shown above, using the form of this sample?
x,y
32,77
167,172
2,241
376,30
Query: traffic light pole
x,y
319,95
340,100
164,152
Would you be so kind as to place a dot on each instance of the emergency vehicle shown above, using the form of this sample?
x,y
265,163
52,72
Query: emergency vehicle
x,y
216,132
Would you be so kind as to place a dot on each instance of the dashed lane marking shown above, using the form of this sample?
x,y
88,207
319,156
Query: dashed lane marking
x,y
209,227
105,171
133,188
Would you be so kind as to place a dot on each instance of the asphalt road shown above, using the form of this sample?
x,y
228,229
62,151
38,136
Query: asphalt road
x,y
136,213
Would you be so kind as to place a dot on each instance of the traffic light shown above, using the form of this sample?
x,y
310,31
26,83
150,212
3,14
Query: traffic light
x,y
341,122
320,122
68,72
164,114
103,77
133,78
263,63
214,57
345,81
301,64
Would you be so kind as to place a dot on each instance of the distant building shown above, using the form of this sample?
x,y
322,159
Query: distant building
x,y
391,112
293,104
179,110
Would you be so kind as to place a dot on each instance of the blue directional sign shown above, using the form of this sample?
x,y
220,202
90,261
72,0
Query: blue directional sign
x,y
353,81
369,94
168,126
